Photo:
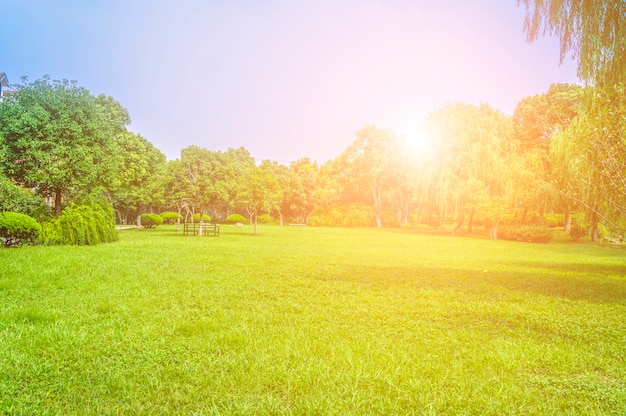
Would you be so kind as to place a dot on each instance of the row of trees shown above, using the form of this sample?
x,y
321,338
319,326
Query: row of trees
x,y
561,151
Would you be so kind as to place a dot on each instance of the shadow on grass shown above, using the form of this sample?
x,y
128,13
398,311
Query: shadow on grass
x,y
590,285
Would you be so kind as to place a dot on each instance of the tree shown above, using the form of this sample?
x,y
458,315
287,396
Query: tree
x,y
260,192
474,142
304,198
57,140
592,31
592,151
139,175
370,160
206,176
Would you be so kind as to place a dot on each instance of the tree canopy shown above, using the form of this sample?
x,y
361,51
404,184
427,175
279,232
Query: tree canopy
x,y
57,139
592,31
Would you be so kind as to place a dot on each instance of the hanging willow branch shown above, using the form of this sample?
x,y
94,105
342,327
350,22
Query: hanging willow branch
x,y
593,32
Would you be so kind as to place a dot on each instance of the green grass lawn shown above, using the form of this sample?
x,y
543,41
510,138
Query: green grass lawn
x,y
302,320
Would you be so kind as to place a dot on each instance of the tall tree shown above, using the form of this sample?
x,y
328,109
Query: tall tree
x,y
57,139
592,151
592,31
261,192
371,160
206,176
472,146
139,174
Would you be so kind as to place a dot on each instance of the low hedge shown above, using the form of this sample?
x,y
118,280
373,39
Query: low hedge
x,y
17,229
525,233
151,220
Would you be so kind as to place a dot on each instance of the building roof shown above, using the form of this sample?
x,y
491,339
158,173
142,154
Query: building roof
x,y
4,81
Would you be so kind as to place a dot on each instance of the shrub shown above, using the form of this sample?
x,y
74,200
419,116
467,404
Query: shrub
x,y
266,219
18,200
151,220
17,229
390,220
555,220
525,233
235,218
205,218
343,216
577,231
169,217
87,224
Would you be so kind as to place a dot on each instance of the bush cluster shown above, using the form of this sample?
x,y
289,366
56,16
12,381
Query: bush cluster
x,y
267,219
235,218
555,220
205,218
169,217
343,216
17,229
527,233
577,231
88,224
151,220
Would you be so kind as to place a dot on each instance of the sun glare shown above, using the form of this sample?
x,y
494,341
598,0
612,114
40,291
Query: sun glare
x,y
418,141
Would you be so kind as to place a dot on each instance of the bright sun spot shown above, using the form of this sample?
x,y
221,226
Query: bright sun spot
x,y
417,140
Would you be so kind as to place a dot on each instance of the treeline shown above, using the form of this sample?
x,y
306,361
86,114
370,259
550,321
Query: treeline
x,y
559,157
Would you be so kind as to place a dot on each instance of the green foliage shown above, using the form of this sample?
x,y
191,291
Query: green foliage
x,y
57,139
390,219
555,220
235,218
343,216
526,233
267,219
151,220
17,229
205,218
577,231
88,224
169,217
15,199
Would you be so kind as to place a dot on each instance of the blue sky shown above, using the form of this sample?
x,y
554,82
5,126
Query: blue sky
x,y
285,79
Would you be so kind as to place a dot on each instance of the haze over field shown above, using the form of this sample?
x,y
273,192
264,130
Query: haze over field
x,y
284,80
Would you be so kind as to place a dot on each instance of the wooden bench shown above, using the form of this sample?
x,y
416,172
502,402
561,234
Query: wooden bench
x,y
207,229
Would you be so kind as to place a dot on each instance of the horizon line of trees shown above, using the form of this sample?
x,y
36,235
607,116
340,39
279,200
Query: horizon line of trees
x,y
562,151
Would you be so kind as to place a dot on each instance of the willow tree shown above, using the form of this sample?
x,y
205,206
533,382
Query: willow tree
x,y
592,153
473,142
592,31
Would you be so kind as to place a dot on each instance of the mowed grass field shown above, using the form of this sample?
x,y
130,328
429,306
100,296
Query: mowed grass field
x,y
312,321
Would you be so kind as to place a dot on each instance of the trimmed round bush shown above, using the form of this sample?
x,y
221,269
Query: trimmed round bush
x,y
17,229
205,218
151,220
235,218
169,217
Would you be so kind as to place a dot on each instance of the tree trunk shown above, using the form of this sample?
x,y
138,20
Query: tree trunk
x,y
256,221
459,223
594,226
201,223
568,218
470,220
377,206
58,202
